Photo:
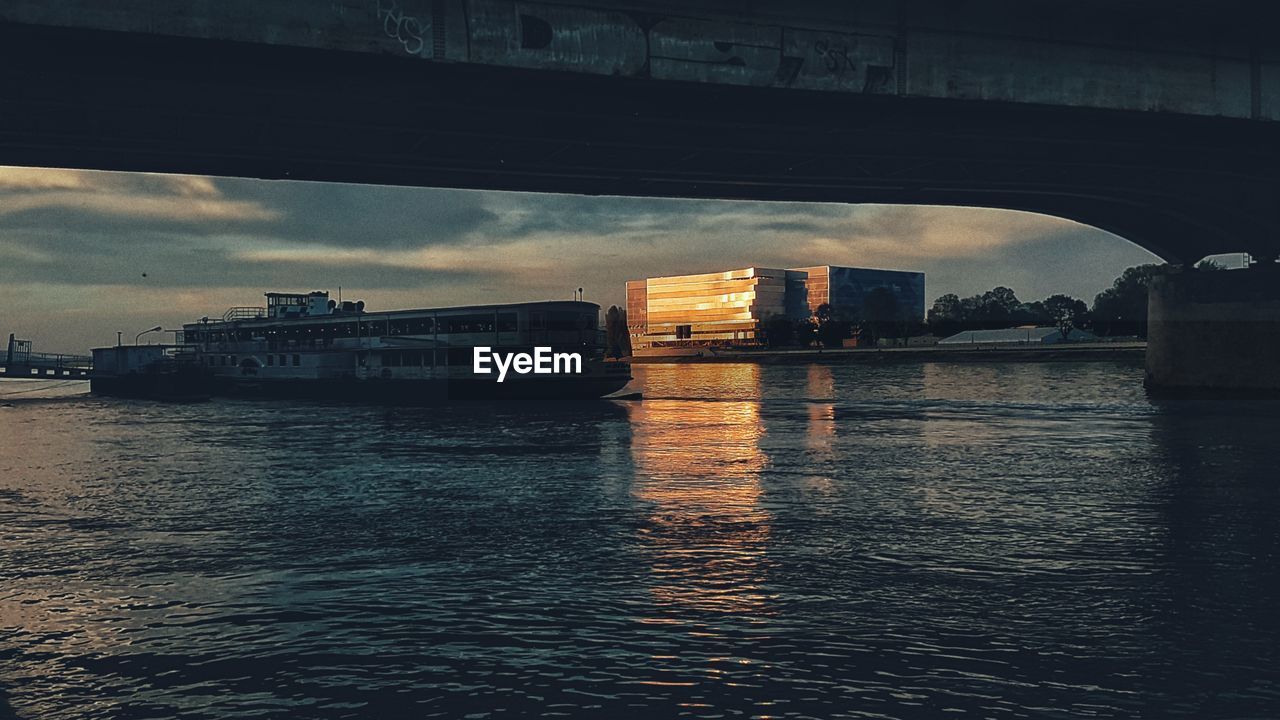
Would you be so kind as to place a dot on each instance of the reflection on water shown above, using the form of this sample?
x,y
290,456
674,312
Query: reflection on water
x,y
697,470
750,541
819,391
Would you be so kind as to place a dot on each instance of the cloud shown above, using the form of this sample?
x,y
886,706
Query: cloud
x,y
792,226
359,216
222,241
39,198
19,179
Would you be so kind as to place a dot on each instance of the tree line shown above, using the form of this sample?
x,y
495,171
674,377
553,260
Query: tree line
x,y
1120,310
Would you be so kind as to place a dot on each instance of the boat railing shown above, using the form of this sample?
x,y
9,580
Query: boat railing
x,y
53,360
244,313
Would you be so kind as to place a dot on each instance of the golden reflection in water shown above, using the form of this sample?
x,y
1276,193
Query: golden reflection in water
x,y
698,466
730,381
74,609
820,433
820,383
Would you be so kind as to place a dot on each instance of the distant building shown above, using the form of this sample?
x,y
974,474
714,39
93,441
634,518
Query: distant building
x,y
845,289
1017,336
729,308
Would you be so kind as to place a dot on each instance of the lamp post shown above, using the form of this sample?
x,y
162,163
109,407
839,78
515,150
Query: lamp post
x,y
137,337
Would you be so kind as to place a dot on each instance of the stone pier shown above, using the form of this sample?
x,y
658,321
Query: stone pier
x,y
1215,330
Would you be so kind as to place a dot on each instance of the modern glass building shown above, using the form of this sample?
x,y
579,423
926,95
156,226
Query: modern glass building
x,y
728,308
845,289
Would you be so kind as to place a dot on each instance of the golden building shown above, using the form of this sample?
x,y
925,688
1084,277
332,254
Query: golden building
x,y
637,308
728,308
712,308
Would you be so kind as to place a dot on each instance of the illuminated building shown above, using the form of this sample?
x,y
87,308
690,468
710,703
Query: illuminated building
x,y
728,308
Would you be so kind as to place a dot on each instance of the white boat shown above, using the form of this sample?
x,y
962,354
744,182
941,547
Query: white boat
x,y
307,345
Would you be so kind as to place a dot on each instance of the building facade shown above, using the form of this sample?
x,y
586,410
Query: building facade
x,y
712,308
730,308
846,289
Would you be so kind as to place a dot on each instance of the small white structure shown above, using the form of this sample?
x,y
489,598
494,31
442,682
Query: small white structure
x,y
1027,335
126,359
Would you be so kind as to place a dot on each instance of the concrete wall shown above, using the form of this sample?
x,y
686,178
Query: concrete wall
x,y
1215,330
1133,56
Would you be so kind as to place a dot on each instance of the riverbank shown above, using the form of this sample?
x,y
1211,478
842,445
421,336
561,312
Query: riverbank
x,y
933,353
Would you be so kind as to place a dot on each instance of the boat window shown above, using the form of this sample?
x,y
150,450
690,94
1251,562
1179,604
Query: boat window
x,y
506,322
419,326
568,320
467,323
297,360
271,360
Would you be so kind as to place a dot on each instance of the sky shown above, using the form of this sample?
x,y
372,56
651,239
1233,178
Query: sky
x,y
84,254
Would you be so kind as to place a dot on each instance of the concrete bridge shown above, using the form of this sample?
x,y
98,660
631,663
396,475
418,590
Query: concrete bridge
x,y
1158,121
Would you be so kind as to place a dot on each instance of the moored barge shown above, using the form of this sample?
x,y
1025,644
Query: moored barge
x,y
308,345
152,372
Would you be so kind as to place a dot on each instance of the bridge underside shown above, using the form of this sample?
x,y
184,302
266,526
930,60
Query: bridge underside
x,y
1182,187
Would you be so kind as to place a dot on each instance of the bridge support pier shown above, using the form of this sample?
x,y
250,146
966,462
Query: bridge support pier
x,y
1215,330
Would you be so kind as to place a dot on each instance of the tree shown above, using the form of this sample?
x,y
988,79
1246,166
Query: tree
x,y
1035,313
1066,313
1122,308
805,333
822,313
947,308
617,337
830,331
999,304
947,316
778,331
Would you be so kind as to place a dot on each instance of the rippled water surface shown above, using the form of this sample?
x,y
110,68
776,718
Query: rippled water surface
x,y
1004,541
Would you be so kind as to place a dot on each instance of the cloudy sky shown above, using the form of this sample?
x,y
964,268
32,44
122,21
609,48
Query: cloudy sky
x,y
84,254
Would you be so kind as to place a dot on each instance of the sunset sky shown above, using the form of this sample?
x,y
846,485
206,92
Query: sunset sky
x,y
84,254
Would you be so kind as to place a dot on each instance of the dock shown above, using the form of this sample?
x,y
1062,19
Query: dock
x,y
20,361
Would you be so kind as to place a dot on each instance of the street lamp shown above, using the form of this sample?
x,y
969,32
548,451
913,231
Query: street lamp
x,y
157,328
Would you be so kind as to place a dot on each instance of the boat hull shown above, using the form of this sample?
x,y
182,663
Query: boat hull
x,y
167,387
422,391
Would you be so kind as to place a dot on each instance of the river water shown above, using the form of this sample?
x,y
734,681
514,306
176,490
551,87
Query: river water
x,y
900,541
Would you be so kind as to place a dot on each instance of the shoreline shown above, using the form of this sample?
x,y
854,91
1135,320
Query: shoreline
x,y
932,353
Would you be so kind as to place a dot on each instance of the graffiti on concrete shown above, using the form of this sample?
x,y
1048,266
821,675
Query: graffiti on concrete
x,y
551,36
405,29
